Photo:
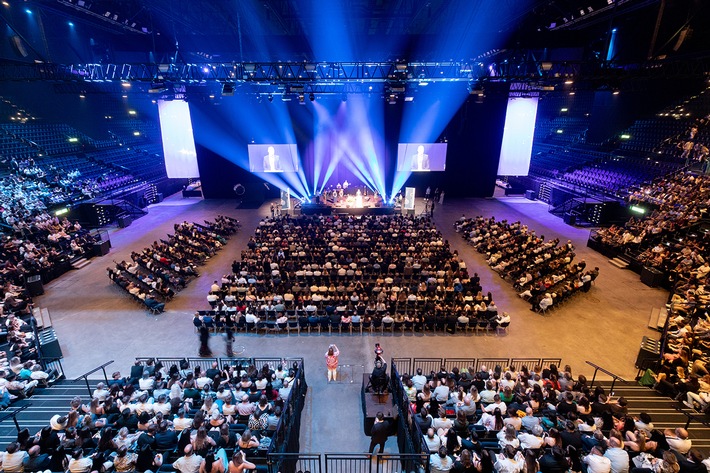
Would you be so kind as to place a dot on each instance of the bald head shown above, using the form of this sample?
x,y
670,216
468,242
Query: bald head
x,y
188,450
614,442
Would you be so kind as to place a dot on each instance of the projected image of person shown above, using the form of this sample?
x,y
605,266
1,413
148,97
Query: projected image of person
x,y
420,161
272,161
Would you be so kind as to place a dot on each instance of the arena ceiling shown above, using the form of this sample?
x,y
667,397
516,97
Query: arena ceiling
x,y
361,30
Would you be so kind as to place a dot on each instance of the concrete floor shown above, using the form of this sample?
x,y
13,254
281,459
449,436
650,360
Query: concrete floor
x,y
95,322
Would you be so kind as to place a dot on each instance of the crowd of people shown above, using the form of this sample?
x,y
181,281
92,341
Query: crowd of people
x,y
541,270
665,240
157,273
189,418
394,271
541,419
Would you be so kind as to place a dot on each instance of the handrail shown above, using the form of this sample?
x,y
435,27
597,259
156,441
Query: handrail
x,y
609,373
45,361
13,414
85,375
691,417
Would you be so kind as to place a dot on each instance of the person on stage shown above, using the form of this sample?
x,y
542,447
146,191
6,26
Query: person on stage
x,y
331,362
358,199
378,377
420,161
272,163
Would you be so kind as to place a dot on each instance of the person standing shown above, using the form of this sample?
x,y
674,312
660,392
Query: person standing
x,y
379,433
331,361
204,341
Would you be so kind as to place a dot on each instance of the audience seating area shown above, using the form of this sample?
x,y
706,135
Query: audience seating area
x,y
144,421
542,271
157,273
350,275
530,417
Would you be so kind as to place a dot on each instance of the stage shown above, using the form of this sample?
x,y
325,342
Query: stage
x,y
337,201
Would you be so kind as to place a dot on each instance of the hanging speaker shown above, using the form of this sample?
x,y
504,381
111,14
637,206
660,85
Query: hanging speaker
x,y
19,46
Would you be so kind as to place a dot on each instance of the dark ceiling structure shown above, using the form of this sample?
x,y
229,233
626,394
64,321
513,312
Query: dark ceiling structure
x,y
343,46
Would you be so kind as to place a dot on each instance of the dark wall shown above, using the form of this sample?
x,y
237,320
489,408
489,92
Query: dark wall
x,y
474,139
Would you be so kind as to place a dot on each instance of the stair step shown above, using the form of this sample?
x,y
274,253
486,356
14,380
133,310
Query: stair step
x,y
619,263
80,263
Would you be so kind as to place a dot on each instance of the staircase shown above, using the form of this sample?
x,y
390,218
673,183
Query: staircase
x,y
665,412
567,207
44,404
620,262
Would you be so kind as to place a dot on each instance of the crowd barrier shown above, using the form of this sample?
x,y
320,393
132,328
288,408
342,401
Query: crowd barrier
x,y
410,365
348,463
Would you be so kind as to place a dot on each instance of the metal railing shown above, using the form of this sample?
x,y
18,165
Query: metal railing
x,y
12,414
85,376
608,373
348,463
410,365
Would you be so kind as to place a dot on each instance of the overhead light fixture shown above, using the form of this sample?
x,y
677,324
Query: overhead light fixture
x,y
309,67
409,98
131,112
401,66
301,99
157,87
344,97
311,97
569,82
392,99
616,92
270,98
227,89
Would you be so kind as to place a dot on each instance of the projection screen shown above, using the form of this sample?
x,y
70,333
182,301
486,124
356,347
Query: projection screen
x,y
516,149
178,140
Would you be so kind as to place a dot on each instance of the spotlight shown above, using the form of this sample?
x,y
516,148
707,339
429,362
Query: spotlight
x,y
301,99
311,97
392,99
616,92
344,97
270,98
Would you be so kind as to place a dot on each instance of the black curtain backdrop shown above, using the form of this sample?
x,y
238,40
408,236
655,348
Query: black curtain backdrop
x,y
474,138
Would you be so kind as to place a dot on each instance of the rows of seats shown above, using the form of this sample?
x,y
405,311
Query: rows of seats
x,y
537,417
328,270
51,138
542,271
619,172
160,271
145,421
359,322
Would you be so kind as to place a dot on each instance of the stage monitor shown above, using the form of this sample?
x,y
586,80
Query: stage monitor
x,y
421,157
178,140
273,158
516,150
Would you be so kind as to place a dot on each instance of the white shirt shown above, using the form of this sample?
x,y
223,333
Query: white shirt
x,y
597,464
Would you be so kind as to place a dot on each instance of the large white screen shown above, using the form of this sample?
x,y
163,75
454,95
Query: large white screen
x,y
178,141
421,157
273,158
518,133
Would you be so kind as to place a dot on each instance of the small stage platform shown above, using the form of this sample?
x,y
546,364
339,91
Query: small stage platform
x,y
373,403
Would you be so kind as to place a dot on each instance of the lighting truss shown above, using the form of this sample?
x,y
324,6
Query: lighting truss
x,y
360,77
